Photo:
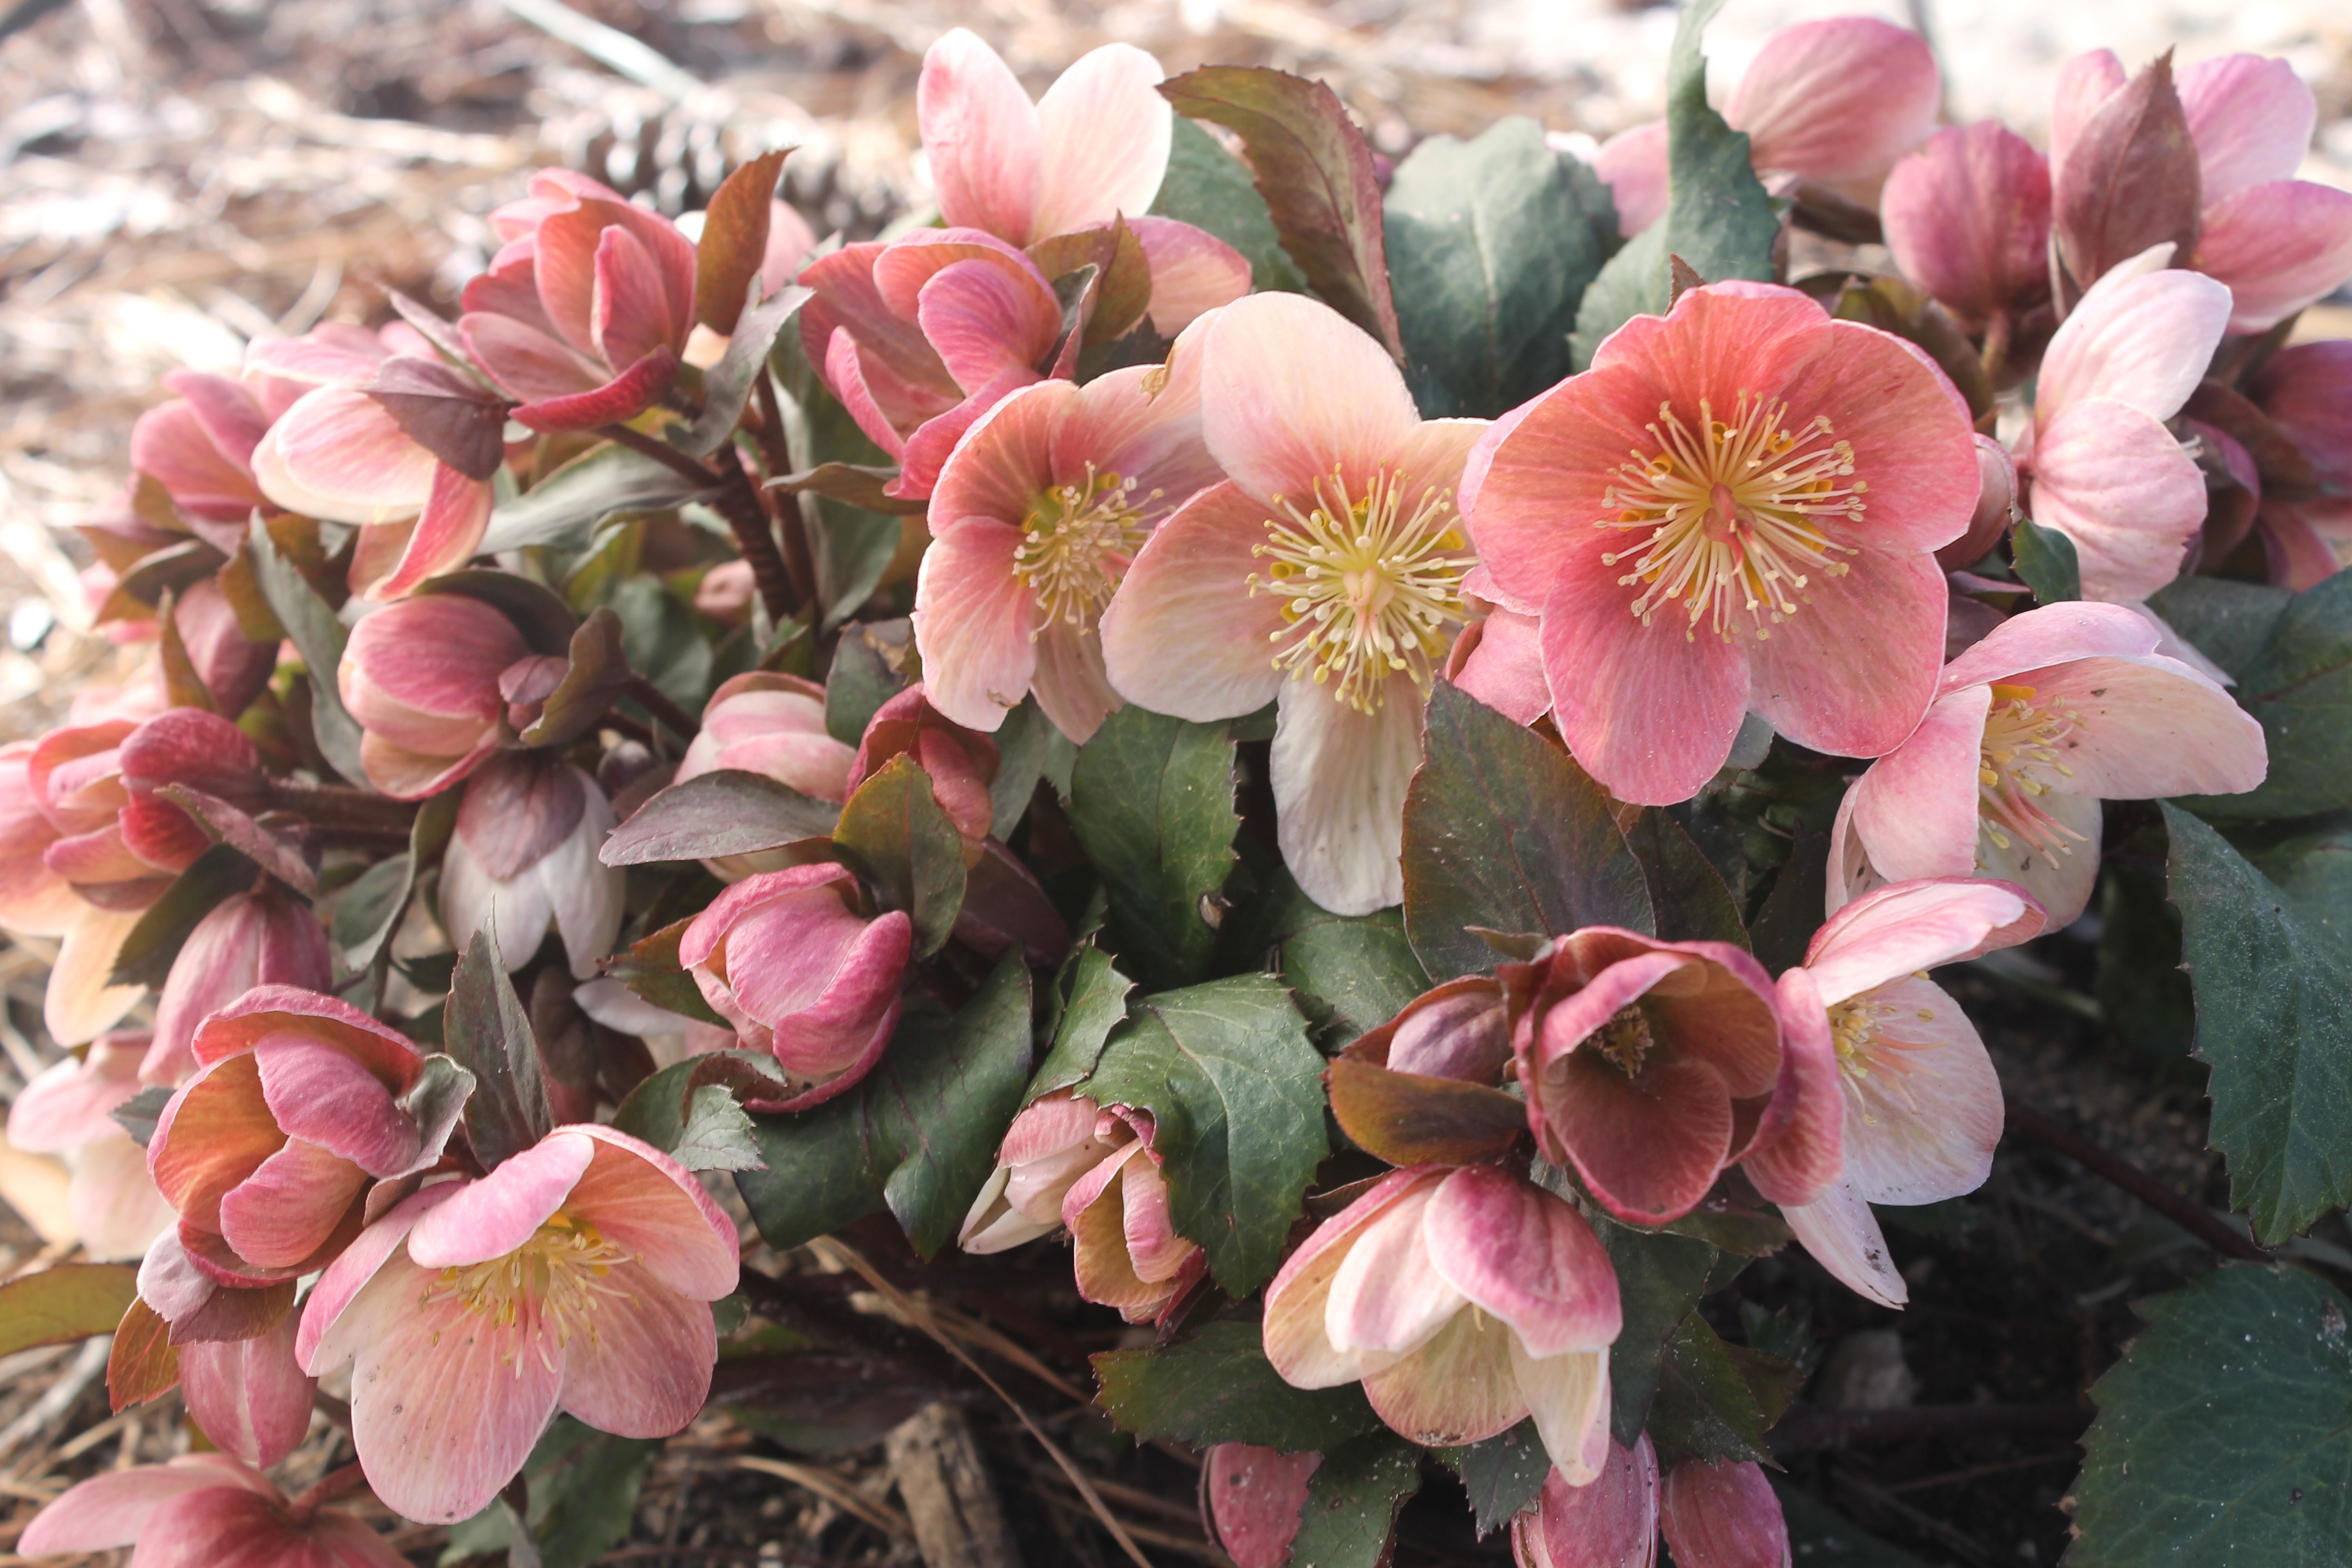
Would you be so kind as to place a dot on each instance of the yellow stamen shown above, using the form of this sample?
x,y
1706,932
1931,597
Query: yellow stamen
x,y
1076,543
2023,741
555,1278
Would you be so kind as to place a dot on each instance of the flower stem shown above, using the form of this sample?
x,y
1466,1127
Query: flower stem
x,y
338,807
340,1482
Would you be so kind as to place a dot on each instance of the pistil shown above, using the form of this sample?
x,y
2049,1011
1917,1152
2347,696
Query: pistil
x,y
556,1277
1076,545
2025,740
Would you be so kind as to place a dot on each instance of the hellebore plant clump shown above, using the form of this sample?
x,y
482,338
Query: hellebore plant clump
x,y
1387,756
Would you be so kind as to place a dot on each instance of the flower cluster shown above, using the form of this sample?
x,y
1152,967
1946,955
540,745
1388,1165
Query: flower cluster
x,y
564,774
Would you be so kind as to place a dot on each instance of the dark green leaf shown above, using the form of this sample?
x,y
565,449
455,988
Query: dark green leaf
x,y
2143,996
1686,890
68,1302
918,1136
2274,1020
1488,254
1226,1070
1097,1002
2300,687
1218,1387
2229,621
662,640
382,900
1705,1408
861,680
1021,742
2224,1434
571,504
718,1135
1660,1277
894,832
319,636
2310,862
1211,189
727,386
1719,219
1350,975
1315,174
2044,559
1502,1474
1792,910
1503,830
1352,1502
729,811
584,1486
1787,1333
1153,803
1821,1537
489,1035
145,957
663,1109
140,1114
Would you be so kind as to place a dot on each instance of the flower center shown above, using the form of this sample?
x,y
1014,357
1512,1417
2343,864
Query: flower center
x,y
1076,543
556,1277
1625,1039
1864,1029
1367,584
1735,515
2022,742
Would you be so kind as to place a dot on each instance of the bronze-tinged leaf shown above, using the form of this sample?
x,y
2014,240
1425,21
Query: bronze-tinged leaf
x,y
1120,290
183,683
145,1364
734,241
69,1302
1409,1119
2129,181
445,411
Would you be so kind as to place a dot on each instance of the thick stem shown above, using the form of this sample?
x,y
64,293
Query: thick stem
x,y
775,450
335,1483
2190,1216
654,700
738,503
339,806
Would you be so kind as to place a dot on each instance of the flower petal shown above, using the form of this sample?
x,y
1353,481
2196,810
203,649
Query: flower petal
x,y
1295,1302
983,137
248,1396
1569,1397
645,1369
2151,727
493,1216
646,1202
1192,271
1292,393
1106,133
1185,636
1925,1103
1802,1147
1915,809
2115,481
1339,783
2251,119
1915,925
1458,1387
2141,337
1722,1515
1524,1257
1389,1294
1070,683
1633,164
1853,671
975,623
1843,1237
2279,247
1838,100
328,1097
1002,466
290,1206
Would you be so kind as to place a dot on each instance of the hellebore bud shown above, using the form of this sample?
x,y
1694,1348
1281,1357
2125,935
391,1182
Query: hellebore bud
x,y
266,937
524,853
422,678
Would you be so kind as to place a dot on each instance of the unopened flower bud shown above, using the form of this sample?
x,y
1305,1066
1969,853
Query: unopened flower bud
x,y
268,937
421,677
961,762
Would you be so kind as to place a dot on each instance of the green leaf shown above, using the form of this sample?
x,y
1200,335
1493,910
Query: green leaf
x,y
1501,1474
2300,686
1153,804
319,636
850,546
2045,562
1352,1502
2310,862
1021,742
68,1302
1488,254
1097,1004
571,504
1718,218
718,1135
2229,621
1226,1070
893,831
142,1113
1211,189
2274,1020
1686,890
861,680
2224,1434
1792,910
218,874
1315,174
727,811
1660,1277
662,640
1503,830
1350,975
1218,1387
1705,1408
370,910
727,386
584,1486
650,968
918,1136
487,1033
1820,1535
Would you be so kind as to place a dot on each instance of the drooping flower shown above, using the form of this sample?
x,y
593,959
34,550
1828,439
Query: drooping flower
x,y
266,937
67,1111
1464,1299
1126,1251
576,1275
788,959
1323,574
1610,1521
248,1396
422,678
1897,1081
1968,217
772,725
2104,470
1053,1141
199,447
1835,101
1721,1514
202,1508
524,858
1035,520
1734,510
2053,711
2279,243
1253,1499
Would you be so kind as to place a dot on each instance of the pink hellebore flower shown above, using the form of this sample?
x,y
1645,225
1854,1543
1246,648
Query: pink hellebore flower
x,y
2053,711
1968,217
1051,1145
583,316
1735,509
1253,1499
2306,391
1463,1299
1610,1521
577,1275
421,677
1722,1515
1125,1250
68,1111
268,1151
524,856
1037,518
199,447
202,1508
1894,1077
34,899
2278,242
2104,470
772,725
268,937
1650,1067
961,761
346,452
786,957
249,1396
1835,101
1323,574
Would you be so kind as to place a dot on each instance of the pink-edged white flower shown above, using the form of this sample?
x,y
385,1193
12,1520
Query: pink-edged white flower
x,y
266,937
577,1275
68,1113
1735,509
1719,1514
1325,573
202,1508
1895,1083
2104,470
1835,101
2053,711
1253,1499
199,447
1610,1521
1968,217
1125,1250
2306,391
1037,516
2279,243
772,725
1055,1141
343,452
523,857
1464,1299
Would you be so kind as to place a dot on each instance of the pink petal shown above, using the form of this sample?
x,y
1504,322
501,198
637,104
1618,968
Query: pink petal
x,y
1568,1394
2113,481
1105,129
630,308
2084,82
642,1369
329,1098
1505,667
848,299
2306,390
1825,681
1185,636
248,1396
845,371
1070,683
1967,218
337,454
1299,1295
983,136
336,352
1154,1249
1458,1387
2152,727
1292,392
113,1509
1609,1522
71,1102
316,1346
1722,1515
2251,119
1001,469
272,1009
1803,1147
1838,100
445,537
284,1212
2301,541
1340,782
625,396
928,448
114,1204
1633,164
1916,808
646,1202
493,1216
2053,635
527,364
1142,426
2279,247
1843,1237
1925,1101
172,445
904,267
1192,271
2060,882
976,623
1255,1495
211,1135
2140,338
1912,926
1388,1294
985,319
1648,1149
1523,1256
